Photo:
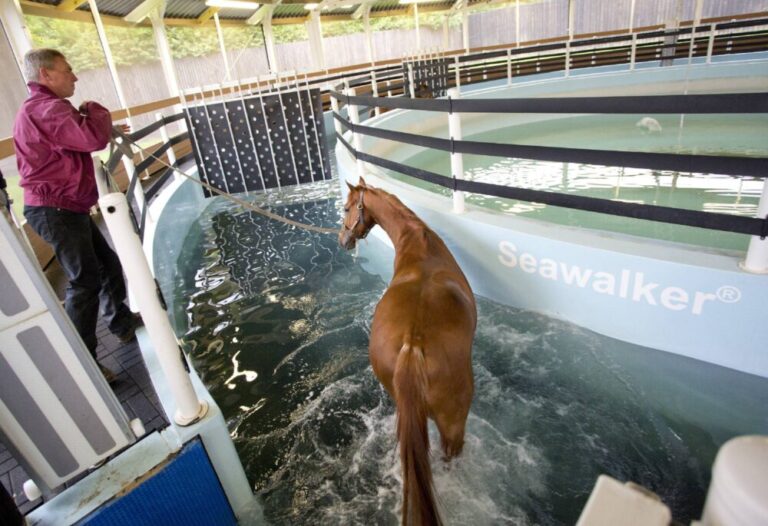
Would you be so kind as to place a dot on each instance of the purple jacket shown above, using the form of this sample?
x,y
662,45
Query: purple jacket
x,y
53,150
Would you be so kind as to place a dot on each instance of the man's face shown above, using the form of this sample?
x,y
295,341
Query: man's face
x,y
59,79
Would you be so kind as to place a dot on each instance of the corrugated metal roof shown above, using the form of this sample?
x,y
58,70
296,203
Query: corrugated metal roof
x,y
184,8
192,9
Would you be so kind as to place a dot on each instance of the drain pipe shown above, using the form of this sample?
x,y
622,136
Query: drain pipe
x,y
457,159
189,409
757,253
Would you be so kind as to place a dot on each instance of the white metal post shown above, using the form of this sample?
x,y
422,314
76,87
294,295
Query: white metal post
x,y
357,141
633,53
457,159
189,409
457,72
509,67
411,87
757,253
711,43
375,92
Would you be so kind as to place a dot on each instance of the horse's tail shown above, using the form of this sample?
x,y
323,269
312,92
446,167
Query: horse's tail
x,y
410,385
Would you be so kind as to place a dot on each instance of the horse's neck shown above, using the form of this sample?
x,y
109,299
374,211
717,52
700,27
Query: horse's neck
x,y
394,218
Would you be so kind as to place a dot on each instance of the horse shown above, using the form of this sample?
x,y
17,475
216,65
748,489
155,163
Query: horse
x,y
421,339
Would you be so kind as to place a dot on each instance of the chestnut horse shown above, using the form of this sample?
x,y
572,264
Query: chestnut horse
x,y
421,339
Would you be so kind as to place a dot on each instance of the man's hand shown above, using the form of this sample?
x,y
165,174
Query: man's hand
x,y
83,109
123,128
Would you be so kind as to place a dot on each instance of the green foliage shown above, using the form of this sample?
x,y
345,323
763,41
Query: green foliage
x,y
134,45
285,33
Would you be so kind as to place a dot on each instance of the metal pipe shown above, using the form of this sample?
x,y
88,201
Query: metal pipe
x,y
189,409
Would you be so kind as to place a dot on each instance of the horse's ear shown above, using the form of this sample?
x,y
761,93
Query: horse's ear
x,y
361,182
349,186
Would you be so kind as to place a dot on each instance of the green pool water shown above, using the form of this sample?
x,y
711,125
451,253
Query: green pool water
x,y
723,135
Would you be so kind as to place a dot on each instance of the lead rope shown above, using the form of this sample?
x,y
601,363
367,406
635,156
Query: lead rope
x,y
236,200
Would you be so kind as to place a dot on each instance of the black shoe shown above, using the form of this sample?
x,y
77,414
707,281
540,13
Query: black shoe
x,y
130,334
109,376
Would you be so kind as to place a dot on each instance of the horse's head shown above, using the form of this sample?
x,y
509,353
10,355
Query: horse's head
x,y
357,222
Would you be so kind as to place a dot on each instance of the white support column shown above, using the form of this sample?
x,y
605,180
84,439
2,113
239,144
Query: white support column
x,y
222,47
269,41
16,30
465,29
368,34
418,30
457,159
517,23
571,18
632,16
142,284
164,51
445,33
315,32
108,56
357,141
757,253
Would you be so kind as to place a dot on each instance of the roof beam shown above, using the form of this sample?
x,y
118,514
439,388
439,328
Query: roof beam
x,y
207,15
261,13
70,5
143,10
364,8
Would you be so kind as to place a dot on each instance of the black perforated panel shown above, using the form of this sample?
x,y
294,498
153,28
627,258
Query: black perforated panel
x,y
260,141
430,78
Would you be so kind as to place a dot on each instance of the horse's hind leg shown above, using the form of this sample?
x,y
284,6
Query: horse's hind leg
x,y
451,429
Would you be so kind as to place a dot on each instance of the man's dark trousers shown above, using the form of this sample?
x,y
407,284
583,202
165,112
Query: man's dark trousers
x,y
91,266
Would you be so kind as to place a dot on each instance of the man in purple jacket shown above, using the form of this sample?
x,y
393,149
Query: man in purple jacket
x,y
54,142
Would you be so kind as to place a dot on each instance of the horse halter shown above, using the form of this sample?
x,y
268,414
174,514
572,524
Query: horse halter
x,y
360,217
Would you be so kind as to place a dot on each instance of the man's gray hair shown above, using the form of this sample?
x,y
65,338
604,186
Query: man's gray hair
x,y
34,59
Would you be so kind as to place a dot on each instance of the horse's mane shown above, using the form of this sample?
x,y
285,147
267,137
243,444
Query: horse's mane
x,y
395,201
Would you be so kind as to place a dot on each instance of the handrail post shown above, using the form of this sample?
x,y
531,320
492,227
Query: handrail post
x,y
711,43
169,152
457,71
411,87
357,141
189,409
757,253
457,159
509,67
375,92
138,191
335,109
633,53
